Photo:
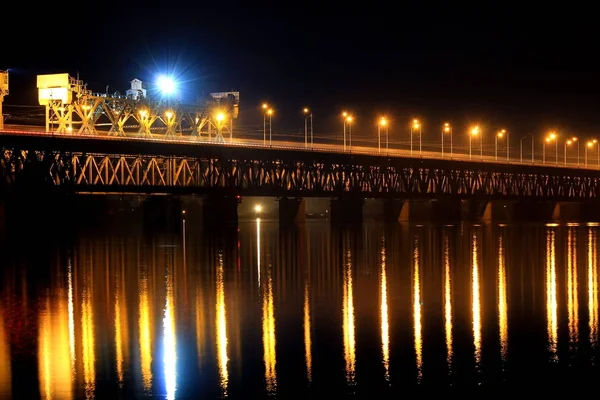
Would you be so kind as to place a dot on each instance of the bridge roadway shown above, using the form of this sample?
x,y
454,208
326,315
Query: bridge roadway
x,y
285,169
460,153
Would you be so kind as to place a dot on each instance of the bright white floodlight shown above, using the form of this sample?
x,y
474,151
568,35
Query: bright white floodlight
x,y
166,85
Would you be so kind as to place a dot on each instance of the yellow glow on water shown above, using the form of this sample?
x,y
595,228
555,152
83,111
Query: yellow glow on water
x,y
221,329
258,249
268,324
200,323
476,301
121,328
307,334
448,303
88,340
71,313
593,286
145,326
54,358
417,309
572,288
502,300
385,324
551,297
348,321
5,366
169,340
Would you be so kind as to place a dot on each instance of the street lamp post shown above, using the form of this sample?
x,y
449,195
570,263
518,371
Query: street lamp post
x,y
552,136
447,129
567,143
270,114
521,146
415,125
349,119
500,135
345,117
382,122
265,107
308,117
474,132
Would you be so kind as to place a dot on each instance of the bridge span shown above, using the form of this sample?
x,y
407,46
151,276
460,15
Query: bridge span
x,y
222,171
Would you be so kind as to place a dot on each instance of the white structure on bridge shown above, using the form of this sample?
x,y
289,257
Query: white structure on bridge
x,y
72,108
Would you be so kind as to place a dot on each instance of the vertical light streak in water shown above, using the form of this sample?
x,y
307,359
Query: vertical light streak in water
x,y
448,303
5,369
551,298
121,326
145,326
200,323
385,324
348,321
221,329
169,339
476,300
417,309
88,341
71,312
54,359
268,325
258,249
502,301
307,333
572,288
593,287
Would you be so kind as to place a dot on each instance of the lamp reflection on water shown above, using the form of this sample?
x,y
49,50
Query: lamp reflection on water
x,y
121,325
88,340
502,301
268,326
348,320
385,324
448,303
572,288
307,333
593,286
145,332
221,329
551,298
54,358
476,301
5,365
169,339
417,309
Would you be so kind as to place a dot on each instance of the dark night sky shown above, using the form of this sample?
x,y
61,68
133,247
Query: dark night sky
x,y
523,67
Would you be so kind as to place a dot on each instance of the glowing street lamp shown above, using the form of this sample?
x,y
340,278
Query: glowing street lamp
x,y
475,131
270,114
382,123
569,142
447,129
309,115
552,136
591,144
265,108
500,135
258,208
416,125
347,118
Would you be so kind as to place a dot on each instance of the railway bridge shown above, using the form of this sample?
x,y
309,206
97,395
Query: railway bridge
x,y
223,174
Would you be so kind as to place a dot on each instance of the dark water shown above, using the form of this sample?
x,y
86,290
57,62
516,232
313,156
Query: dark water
x,y
312,311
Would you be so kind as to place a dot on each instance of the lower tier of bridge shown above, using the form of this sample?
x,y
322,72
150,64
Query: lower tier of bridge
x,y
31,213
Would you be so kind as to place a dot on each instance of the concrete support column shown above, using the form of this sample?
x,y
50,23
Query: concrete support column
x,y
346,211
567,212
292,211
220,210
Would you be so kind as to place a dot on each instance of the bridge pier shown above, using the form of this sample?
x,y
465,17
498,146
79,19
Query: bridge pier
x,y
446,210
346,211
292,211
220,211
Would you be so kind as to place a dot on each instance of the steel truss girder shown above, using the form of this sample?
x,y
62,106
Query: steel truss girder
x,y
94,115
282,177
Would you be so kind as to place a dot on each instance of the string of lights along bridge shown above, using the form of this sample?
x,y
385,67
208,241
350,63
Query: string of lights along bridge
x,y
156,114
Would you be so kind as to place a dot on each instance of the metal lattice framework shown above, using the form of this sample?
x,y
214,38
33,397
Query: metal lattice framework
x,y
93,114
99,166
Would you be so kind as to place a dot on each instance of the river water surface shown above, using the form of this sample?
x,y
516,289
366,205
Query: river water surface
x,y
371,311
